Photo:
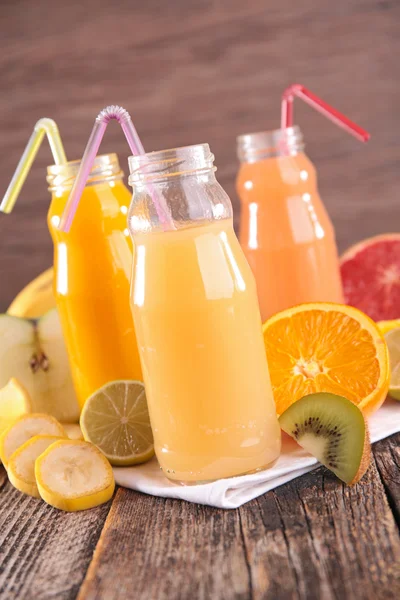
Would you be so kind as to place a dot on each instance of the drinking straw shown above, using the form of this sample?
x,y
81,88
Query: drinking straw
x,y
43,127
102,120
299,91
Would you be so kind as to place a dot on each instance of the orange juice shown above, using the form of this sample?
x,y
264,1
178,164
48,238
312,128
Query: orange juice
x,y
93,264
199,329
285,231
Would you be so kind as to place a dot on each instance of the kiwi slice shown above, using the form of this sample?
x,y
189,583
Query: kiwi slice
x,y
333,430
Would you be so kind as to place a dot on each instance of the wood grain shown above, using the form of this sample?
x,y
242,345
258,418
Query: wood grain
x,y
342,539
387,455
167,549
3,477
44,553
204,70
313,538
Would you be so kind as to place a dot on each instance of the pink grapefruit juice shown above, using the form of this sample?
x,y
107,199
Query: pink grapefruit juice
x,y
286,234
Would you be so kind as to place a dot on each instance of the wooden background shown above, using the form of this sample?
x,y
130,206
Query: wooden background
x,y
200,71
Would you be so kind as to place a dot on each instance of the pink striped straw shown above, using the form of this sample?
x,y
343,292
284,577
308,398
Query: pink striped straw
x,y
100,125
322,107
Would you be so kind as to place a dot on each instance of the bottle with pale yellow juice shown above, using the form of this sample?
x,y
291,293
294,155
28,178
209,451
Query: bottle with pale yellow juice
x,y
93,264
198,324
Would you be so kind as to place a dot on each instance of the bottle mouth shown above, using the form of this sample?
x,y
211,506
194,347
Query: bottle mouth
x,y
163,164
105,169
253,147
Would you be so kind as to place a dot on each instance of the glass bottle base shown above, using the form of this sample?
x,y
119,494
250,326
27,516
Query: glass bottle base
x,y
185,482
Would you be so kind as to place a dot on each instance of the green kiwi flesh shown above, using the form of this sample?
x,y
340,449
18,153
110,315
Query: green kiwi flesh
x,y
332,429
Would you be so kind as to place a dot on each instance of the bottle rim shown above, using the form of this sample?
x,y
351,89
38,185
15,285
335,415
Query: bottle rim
x,y
172,162
252,147
105,169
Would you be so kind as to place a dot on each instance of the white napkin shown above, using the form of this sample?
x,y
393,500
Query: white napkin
x,y
235,491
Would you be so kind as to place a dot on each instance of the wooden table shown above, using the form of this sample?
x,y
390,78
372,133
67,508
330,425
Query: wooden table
x,y
312,538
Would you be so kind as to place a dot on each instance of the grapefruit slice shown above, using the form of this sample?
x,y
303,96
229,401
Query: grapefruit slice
x,y
371,276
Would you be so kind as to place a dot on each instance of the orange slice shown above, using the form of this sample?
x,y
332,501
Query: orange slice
x,y
323,347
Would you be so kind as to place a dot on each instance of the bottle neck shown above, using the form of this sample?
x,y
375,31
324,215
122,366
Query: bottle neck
x,y
253,147
106,169
182,181
156,167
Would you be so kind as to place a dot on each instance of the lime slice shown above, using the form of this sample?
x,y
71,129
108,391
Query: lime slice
x,y
116,419
392,338
74,475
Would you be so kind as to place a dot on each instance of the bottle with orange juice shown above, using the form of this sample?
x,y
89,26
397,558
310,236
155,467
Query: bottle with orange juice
x,y
198,324
92,265
285,231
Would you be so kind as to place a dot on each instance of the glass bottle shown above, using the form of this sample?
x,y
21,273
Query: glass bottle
x,y
92,270
198,323
285,231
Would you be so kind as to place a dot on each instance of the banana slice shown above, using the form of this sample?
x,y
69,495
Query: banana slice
x,y
23,429
73,475
21,466
73,431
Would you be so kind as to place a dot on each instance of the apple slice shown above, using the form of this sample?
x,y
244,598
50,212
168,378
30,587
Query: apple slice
x,y
33,351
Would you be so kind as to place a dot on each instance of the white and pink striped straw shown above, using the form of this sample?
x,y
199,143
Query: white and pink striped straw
x,y
100,125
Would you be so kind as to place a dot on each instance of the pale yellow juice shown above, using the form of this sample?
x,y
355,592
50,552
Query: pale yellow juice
x,y
199,333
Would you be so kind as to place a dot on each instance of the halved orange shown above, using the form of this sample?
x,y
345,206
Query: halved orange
x,y
324,347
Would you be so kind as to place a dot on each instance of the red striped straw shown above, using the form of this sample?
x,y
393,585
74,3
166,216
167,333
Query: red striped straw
x,y
103,118
299,91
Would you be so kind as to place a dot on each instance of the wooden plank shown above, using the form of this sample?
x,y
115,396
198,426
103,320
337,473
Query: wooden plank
x,y
312,538
387,456
44,552
159,549
3,476
341,539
